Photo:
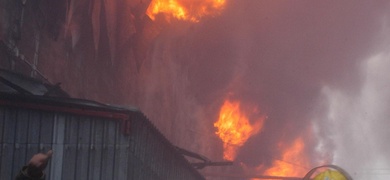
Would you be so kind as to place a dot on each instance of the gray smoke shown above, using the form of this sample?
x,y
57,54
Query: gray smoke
x,y
305,64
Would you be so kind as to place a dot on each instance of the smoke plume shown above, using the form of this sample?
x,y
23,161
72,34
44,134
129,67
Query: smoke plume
x,y
317,70
309,66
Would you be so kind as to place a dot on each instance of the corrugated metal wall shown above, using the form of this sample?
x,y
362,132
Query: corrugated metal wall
x,y
88,147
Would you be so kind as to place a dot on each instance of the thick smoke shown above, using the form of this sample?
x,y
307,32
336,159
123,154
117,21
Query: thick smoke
x,y
358,121
303,63
316,69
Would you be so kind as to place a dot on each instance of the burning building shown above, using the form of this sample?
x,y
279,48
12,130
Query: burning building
x,y
274,86
45,40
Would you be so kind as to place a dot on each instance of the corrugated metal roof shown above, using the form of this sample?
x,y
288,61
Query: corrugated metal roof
x,y
11,82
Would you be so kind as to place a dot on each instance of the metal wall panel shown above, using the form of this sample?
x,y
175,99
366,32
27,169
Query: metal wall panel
x,y
88,147
58,147
8,132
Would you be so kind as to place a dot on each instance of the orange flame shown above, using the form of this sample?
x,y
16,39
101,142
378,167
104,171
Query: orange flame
x,y
292,163
234,128
188,10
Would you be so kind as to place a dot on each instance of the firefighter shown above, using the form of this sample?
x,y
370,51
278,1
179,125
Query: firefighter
x,y
35,167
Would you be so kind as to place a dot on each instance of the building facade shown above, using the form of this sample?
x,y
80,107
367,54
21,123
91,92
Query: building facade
x,y
89,140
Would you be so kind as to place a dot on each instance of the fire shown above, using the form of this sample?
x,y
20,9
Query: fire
x,y
292,163
188,10
234,128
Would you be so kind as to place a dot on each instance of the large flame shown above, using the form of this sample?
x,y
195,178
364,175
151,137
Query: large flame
x,y
293,162
234,128
188,10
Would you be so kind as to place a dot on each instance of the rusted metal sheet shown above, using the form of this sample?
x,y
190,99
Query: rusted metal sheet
x,y
114,143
